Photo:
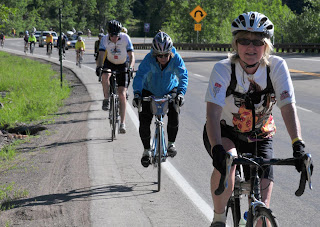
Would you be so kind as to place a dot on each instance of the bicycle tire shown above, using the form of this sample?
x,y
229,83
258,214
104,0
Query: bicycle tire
x,y
265,214
117,115
234,205
159,154
113,117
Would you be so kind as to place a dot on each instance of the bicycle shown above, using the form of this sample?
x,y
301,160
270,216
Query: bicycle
x,y
257,212
159,107
79,59
114,111
26,48
2,43
32,45
49,52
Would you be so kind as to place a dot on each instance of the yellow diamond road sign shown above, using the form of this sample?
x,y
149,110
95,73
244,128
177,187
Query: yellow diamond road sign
x,y
198,14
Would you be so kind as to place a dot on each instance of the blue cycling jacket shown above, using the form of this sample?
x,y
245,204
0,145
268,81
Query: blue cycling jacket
x,y
150,77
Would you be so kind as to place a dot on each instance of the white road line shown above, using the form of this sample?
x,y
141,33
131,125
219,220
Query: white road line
x,y
179,179
301,108
198,75
305,59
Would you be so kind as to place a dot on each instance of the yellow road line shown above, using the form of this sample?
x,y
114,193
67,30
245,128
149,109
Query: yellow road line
x,y
303,72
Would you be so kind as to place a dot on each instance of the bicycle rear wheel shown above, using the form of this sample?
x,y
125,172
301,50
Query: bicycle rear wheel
x,y
117,115
113,117
233,205
159,154
264,215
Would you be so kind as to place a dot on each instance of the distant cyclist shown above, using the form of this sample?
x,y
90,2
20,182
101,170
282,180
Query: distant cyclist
x,y
13,32
96,46
89,33
2,38
32,40
49,41
26,38
117,46
63,45
80,48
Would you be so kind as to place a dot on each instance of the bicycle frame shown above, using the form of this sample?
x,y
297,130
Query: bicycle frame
x,y
114,112
159,107
252,188
79,58
49,49
32,45
159,133
26,48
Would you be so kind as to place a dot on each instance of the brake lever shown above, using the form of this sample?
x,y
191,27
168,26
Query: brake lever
x,y
224,179
305,175
307,162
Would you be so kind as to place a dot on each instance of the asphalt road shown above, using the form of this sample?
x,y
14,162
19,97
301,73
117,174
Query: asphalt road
x,y
185,198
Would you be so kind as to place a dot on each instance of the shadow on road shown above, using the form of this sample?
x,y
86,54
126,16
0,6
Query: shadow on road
x,y
112,191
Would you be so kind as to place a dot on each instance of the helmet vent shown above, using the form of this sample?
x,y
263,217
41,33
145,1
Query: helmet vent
x,y
262,21
242,20
270,27
234,24
252,17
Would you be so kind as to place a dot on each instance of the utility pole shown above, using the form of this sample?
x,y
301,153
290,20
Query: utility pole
x,y
60,47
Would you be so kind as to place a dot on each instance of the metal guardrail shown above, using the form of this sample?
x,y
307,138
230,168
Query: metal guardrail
x,y
289,48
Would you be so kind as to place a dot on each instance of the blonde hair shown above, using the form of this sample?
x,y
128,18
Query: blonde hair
x,y
234,56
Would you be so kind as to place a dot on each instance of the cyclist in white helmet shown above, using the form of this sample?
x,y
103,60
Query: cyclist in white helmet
x,y
80,48
161,72
115,47
230,126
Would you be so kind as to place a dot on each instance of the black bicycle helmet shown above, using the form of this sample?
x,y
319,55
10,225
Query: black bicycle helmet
x,y
162,43
253,22
114,27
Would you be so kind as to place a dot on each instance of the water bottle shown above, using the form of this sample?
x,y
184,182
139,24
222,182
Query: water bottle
x,y
243,221
245,215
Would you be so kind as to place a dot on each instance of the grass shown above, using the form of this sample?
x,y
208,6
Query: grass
x,y
8,193
30,90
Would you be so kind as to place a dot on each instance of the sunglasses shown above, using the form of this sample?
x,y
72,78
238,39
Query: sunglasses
x,y
246,42
163,55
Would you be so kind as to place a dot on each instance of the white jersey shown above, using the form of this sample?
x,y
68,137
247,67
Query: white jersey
x,y
116,52
233,111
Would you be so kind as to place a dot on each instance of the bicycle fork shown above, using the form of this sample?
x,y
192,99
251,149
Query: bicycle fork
x,y
163,152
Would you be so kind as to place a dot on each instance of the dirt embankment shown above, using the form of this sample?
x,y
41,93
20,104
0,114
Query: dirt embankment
x,y
52,169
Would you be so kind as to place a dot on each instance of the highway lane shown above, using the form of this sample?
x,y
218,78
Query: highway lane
x,y
192,161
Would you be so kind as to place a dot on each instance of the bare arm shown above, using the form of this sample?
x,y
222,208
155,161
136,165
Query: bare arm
x,y
291,120
131,59
213,123
100,58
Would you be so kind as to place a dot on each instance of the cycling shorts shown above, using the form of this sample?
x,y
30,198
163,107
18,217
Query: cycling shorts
x,y
264,149
123,79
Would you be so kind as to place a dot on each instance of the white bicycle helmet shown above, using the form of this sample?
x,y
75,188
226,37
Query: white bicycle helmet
x,y
162,43
253,22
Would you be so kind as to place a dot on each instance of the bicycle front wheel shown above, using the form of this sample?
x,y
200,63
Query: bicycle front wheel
x,y
233,205
158,155
264,217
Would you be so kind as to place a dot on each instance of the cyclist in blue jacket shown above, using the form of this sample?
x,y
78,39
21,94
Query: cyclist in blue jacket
x,y
161,72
